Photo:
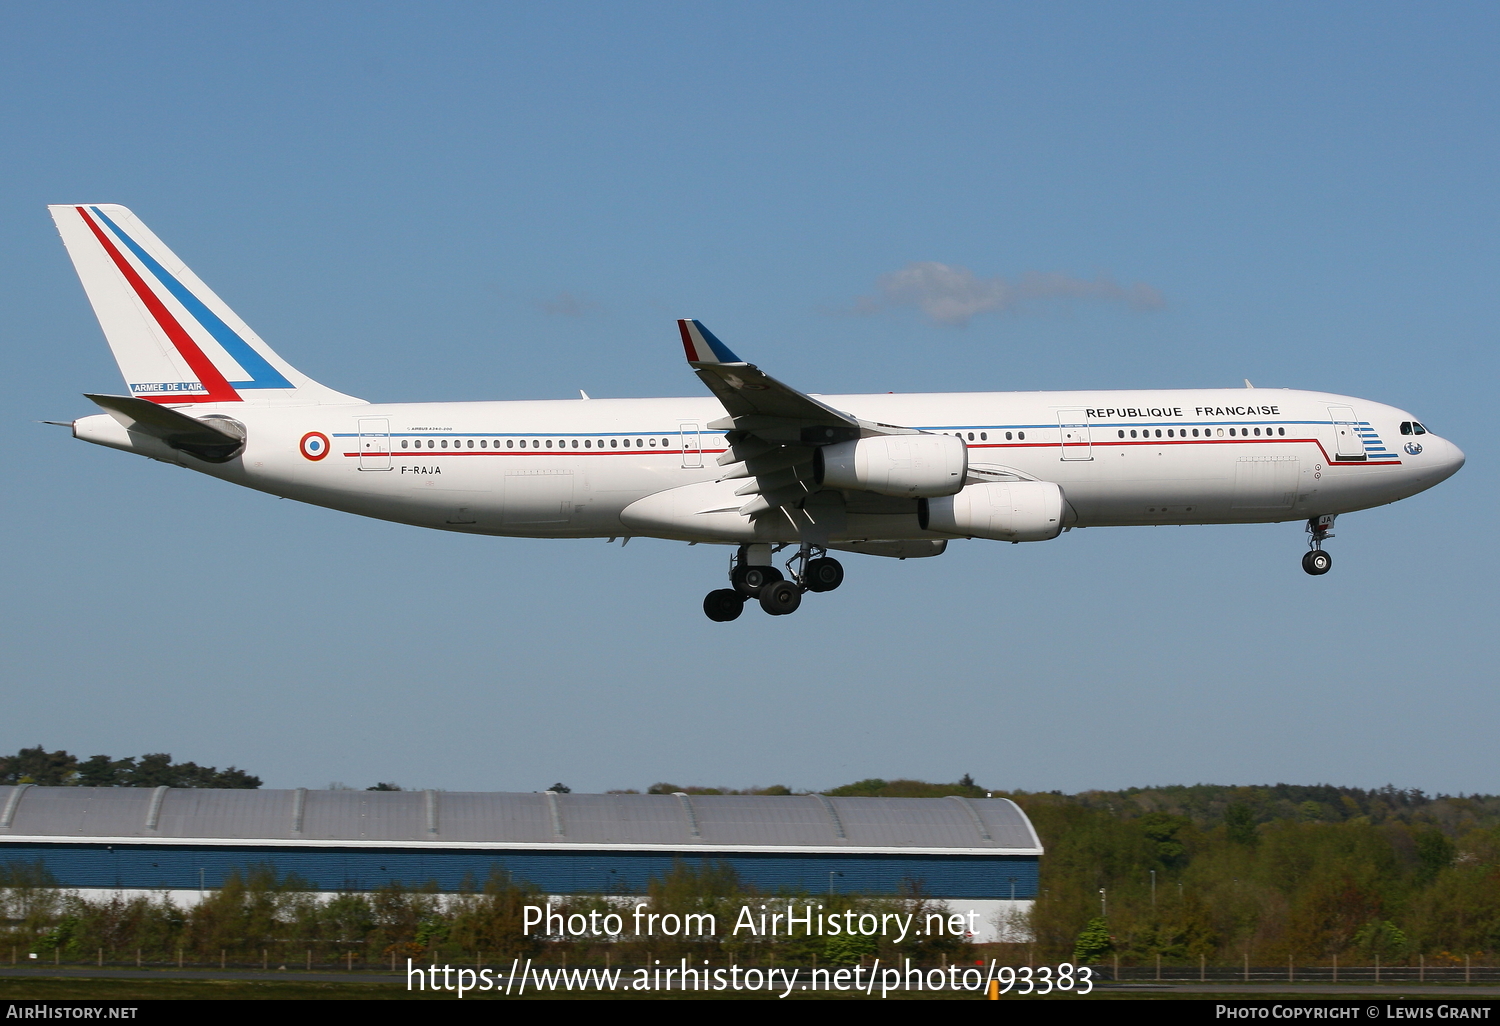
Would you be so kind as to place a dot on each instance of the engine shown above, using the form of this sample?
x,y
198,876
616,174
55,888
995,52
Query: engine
x,y
1014,511
907,466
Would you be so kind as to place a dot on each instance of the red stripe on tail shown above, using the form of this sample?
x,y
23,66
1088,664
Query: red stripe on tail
x,y
215,385
687,341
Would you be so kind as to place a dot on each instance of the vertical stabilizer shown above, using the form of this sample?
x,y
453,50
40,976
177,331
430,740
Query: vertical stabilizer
x,y
175,341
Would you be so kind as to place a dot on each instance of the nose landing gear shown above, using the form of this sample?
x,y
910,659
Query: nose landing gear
x,y
753,577
1316,561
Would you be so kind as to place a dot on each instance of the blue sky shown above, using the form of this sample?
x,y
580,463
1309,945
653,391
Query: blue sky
x,y
493,201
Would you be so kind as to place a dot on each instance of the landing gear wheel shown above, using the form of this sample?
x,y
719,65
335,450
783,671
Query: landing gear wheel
x,y
1317,562
724,605
780,598
748,580
823,574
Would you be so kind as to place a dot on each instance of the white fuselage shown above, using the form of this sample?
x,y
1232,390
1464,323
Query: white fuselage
x,y
571,468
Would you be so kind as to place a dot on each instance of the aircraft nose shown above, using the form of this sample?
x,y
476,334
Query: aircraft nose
x,y
1456,457
1448,458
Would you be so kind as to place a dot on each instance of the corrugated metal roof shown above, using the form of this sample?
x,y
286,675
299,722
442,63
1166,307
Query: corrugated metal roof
x,y
497,819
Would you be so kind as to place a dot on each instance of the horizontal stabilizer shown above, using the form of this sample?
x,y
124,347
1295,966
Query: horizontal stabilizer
x,y
214,438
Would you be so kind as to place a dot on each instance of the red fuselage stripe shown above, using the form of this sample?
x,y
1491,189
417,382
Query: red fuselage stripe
x,y
1376,461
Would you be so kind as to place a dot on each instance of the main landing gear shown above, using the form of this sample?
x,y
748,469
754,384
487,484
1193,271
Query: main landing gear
x,y
1316,561
753,577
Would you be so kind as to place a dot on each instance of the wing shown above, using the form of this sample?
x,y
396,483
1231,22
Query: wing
x,y
772,429
756,402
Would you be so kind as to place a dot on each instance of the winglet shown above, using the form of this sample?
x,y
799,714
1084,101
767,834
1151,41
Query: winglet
x,y
702,346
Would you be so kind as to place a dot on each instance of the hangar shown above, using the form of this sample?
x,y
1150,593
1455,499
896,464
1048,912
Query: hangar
x,y
981,852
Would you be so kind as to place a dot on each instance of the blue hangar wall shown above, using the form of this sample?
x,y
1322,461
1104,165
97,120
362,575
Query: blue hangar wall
x,y
339,868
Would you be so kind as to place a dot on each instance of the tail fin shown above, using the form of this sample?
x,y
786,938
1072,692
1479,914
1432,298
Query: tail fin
x,y
175,341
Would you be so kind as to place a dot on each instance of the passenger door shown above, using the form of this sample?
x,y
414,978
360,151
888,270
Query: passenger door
x,y
1346,437
374,443
692,445
1074,431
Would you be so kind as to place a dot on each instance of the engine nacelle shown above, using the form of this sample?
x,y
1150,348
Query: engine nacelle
x,y
1013,511
907,466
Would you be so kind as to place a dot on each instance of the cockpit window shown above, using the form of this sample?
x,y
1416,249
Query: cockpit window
x,y
1406,427
1417,429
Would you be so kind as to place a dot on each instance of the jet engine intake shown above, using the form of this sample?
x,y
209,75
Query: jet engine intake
x,y
1013,511
906,466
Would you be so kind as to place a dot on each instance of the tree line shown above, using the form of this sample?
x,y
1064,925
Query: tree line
x,y
1273,873
62,769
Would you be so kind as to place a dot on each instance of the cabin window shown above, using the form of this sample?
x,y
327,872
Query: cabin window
x,y
575,443
971,436
403,443
984,436
510,443
1122,434
1281,431
445,443
663,443
614,443
1021,435
484,443
549,443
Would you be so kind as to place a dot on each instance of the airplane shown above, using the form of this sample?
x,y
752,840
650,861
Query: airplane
x,y
756,465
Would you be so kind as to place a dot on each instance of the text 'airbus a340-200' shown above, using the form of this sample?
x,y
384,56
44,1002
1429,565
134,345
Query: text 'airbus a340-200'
x,y
756,465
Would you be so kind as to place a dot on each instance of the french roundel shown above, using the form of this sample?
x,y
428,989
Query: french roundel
x,y
314,445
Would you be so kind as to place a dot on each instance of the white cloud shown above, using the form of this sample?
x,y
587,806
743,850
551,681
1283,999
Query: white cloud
x,y
952,295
